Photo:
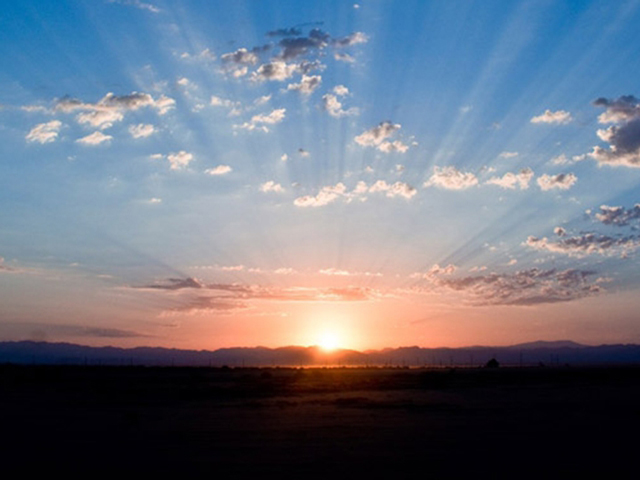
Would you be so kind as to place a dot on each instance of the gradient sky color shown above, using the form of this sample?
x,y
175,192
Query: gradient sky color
x,y
205,174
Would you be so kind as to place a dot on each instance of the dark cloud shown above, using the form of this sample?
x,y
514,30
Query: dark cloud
x,y
226,296
526,287
587,244
624,137
285,32
617,216
297,46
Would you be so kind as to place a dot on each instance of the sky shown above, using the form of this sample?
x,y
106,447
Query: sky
x,y
208,174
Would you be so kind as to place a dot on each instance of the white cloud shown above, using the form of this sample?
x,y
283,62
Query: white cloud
x,y
376,137
352,39
326,196
44,132
559,117
307,84
562,181
341,90
398,189
508,154
275,71
179,160
271,186
141,130
260,121
513,180
284,157
333,107
451,178
343,57
111,108
94,138
240,56
219,170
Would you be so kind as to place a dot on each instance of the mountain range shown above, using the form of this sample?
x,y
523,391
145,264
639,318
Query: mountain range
x,y
525,354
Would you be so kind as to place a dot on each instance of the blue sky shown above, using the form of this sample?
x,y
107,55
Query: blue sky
x,y
213,174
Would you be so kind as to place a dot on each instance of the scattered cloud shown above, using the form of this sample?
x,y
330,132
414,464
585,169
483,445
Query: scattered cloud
x,y
450,178
326,196
376,137
111,108
219,170
562,181
179,160
271,186
141,130
149,7
624,137
44,132
586,244
95,138
617,216
308,84
260,121
559,117
512,181
526,287
508,154
274,71
393,190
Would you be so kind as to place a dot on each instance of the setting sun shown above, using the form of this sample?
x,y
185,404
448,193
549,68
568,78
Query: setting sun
x,y
329,341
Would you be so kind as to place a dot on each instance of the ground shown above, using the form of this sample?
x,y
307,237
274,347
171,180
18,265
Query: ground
x,y
319,423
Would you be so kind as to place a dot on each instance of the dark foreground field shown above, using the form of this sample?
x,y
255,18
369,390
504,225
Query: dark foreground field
x,y
315,423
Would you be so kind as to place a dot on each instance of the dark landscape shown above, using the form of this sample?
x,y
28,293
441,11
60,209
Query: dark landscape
x,y
524,422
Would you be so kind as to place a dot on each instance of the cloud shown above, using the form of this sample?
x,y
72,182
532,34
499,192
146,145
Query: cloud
x,y
260,121
229,294
274,71
219,170
451,178
205,55
436,270
343,57
137,4
94,138
394,190
307,84
303,153
618,216
141,130
173,284
326,196
376,137
586,244
508,154
562,181
179,160
512,181
44,132
297,46
352,39
111,108
623,138
285,32
526,287
240,56
271,186
559,117
624,109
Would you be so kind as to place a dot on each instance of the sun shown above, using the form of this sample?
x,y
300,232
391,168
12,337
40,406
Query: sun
x,y
329,341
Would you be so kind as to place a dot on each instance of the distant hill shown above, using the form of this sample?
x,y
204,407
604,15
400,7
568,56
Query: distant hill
x,y
533,353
